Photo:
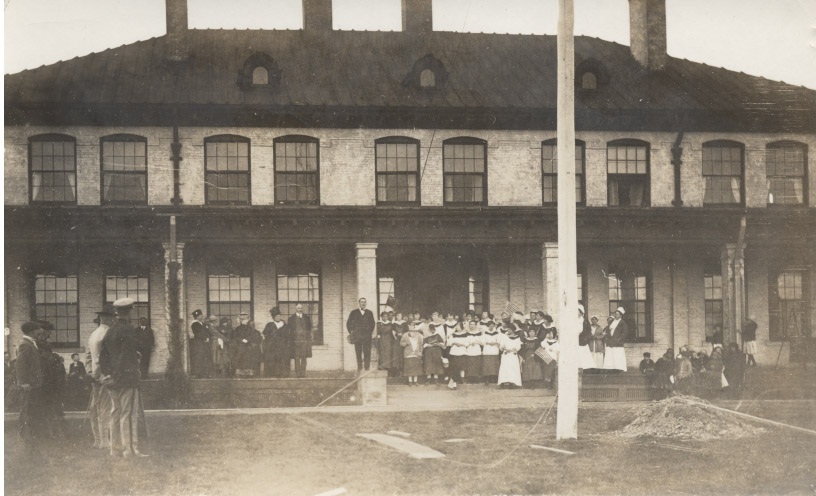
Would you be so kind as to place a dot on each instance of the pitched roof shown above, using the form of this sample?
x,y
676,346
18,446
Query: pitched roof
x,y
364,70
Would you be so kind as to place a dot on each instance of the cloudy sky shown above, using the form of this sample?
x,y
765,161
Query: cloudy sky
x,y
774,39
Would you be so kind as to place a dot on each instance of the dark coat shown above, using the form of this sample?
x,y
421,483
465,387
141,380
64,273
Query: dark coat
x,y
300,329
76,370
360,325
201,362
27,366
586,334
618,337
123,349
245,341
277,350
748,331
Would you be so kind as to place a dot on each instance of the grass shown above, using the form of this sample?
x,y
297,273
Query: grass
x,y
316,452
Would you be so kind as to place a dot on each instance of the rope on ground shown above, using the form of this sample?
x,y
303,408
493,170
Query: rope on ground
x,y
511,451
752,417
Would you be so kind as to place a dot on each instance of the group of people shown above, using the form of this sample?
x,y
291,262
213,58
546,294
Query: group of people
x,y
218,349
509,350
116,412
696,372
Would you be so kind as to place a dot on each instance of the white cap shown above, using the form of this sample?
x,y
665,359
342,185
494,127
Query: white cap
x,y
123,302
621,310
581,309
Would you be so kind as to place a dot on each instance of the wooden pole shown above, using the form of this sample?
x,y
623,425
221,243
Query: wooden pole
x,y
567,423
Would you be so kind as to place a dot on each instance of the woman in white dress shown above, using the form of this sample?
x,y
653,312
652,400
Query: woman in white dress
x,y
510,368
614,353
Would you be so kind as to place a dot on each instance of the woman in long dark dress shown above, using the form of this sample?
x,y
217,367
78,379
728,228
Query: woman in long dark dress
x,y
245,341
277,356
385,337
201,363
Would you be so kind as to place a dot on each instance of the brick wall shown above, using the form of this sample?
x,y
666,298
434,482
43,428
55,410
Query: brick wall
x,y
347,172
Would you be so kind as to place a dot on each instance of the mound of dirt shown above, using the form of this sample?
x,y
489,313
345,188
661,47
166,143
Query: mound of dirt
x,y
675,417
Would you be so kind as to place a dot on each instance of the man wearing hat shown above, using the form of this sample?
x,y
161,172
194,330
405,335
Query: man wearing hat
x,y
614,353
100,406
300,327
277,347
201,360
28,369
121,345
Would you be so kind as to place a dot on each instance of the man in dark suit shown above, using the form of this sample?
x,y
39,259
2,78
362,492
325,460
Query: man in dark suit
x,y
146,340
300,327
121,367
28,369
360,325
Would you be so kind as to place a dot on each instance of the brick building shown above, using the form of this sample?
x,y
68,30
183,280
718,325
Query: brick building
x,y
315,166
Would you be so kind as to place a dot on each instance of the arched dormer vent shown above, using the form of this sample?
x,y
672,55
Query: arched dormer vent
x,y
427,74
259,71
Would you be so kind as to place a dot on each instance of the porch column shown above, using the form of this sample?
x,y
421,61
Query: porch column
x,y
174,307
731,295
367,274
549,266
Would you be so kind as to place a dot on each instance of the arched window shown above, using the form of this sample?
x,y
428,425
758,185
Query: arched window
x,y
427,79
723,165
124,168
549,172
627,173
260,76
786,173
589,81
297,170
52,168
227,169
464,163
397,162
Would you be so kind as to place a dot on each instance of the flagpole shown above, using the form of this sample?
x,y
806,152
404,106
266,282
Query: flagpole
x,y
567,422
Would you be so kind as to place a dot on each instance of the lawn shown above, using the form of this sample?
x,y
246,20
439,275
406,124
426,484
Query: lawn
x,y
292,454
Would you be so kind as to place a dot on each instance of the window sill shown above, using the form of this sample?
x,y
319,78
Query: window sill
x,y
67,349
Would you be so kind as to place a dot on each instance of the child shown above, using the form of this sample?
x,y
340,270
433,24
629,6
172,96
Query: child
x,y
411,343
458,352
490,353
510,368
647,368
433,344
473,362
76,372
664,372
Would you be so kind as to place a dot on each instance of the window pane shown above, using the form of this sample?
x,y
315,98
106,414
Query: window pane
x,y
722,170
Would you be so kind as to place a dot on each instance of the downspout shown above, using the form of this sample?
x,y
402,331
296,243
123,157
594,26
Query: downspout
x,y
175,147
740,298
677,161
671,298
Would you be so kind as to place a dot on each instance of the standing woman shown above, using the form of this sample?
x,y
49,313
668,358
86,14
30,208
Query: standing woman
x,y
490,352
201,363
411,344
614,355
510,369
473,363
596,343
458,356
400,327
277,347
585,360
433,345
385,339
245,340
218,346
530,341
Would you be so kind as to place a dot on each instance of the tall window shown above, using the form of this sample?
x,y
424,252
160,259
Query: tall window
x,y
397,171
713,302
52,162
630,290
227,166
302,286
229,291
582,289
465,171
549,172
124,169
56,300
786,168
627,169
385,289
788,309
722,171
130,286
297,170
476,294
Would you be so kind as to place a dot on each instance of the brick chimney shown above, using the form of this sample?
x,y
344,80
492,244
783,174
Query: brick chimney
x,y
647,32
177,45
317,15
417,16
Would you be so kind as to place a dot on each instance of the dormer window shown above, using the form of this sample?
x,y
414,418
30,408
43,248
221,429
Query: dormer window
x,y
589,81
259,71
427,79
260,76
428,73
